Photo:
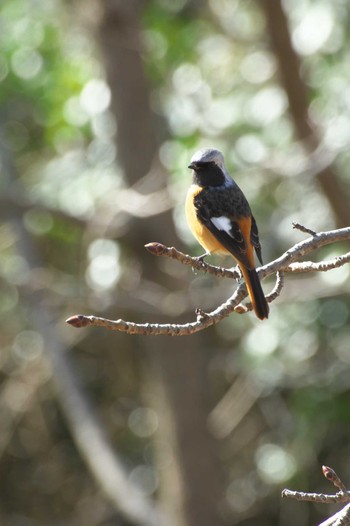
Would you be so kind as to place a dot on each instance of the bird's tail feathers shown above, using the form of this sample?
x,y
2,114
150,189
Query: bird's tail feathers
x,y
256,293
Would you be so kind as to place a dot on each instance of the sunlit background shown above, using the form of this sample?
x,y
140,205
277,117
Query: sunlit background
x,y
102,106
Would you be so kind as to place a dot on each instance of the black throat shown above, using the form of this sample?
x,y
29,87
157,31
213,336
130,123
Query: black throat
x,y
208,174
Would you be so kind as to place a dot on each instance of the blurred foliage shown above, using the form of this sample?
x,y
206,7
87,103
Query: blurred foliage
x,y
213,81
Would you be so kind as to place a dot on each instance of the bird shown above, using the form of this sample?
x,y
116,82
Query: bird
x,y
219,216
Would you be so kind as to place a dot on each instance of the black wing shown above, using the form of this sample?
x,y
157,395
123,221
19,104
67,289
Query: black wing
x,y
232,240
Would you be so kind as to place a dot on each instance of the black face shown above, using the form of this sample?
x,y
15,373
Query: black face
x,y
207,174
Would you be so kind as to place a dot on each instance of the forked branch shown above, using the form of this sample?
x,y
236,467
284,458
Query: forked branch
x,y
287,262
342,517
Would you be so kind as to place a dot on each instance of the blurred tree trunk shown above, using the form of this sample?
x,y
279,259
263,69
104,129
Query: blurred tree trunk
x,y
177,367
298,97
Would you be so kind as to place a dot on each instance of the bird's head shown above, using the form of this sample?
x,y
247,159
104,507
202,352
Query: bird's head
x,y
209,167
207,156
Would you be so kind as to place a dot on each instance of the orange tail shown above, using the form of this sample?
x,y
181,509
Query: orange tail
x,y
256,294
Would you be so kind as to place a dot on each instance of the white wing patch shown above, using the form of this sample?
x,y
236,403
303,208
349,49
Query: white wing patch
x,y
222,223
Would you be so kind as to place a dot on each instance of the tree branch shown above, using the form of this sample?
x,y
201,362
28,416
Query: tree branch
x,y
287,262
197,263
342,517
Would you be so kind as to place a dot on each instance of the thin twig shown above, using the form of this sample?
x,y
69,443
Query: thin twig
x,y
167,329
322,266
324,498
341,496
303,248
276,291
158,249
304,229
342,517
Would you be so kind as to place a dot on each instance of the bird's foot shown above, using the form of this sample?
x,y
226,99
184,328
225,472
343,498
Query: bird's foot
x,y
200,259
238,271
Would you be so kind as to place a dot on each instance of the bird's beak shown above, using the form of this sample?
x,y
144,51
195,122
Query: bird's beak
x,y
192,166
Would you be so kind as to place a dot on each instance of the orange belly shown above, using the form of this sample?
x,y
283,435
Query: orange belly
x,y
200,232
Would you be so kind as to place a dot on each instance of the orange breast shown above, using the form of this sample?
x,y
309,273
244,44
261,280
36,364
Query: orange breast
x,y
200,232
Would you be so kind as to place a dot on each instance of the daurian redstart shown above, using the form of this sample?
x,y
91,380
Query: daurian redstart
x,y
220,218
